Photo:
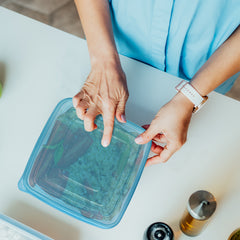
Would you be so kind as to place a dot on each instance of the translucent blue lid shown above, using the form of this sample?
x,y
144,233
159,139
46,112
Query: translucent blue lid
x,y
11,229
71,171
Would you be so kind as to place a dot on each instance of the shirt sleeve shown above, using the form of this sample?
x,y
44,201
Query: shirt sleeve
x,y
197,29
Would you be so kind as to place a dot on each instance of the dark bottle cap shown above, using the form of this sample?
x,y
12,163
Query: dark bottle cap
x,y
159,231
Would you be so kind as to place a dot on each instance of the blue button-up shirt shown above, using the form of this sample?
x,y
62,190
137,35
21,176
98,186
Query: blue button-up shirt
x,y
176,36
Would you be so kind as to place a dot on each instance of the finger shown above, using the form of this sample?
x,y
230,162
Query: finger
x,y
108,121
153,160
164,155
89,118
81,109
159,137
120,111
167,152
156,148
146,136
77,98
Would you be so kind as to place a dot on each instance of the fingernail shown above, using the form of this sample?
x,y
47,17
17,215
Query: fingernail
x,y
105,143
138,139
123,117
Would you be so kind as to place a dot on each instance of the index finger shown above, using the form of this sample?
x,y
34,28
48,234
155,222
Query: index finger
x,y
108,121
164,155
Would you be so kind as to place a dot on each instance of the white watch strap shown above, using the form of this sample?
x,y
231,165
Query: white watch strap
x,y
190,92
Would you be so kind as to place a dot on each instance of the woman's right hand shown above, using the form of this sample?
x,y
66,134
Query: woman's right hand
x,y
104,92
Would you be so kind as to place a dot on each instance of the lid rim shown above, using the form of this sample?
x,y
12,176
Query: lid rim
x,y
25,186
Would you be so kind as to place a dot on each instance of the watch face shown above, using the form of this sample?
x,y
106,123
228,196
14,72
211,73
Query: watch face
x,y
192,94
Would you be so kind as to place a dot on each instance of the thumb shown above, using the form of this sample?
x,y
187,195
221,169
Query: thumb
x,y
146,136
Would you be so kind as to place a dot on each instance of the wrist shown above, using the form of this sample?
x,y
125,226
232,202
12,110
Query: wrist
x,y
182,100
106,56
106,60
201,87
192,94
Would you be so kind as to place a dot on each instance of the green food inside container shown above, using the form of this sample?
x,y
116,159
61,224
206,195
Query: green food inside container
x,y
74,168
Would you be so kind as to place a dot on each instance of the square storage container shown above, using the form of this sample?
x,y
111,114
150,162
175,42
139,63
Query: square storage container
x,y
70,170
11,229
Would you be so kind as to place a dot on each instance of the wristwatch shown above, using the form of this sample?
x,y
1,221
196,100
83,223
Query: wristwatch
x,y
192,94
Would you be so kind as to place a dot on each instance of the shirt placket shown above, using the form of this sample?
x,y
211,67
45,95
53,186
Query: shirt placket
x,y
159,31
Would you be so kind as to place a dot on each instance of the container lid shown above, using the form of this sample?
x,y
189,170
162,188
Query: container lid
x,y
202,205
11,229
70,170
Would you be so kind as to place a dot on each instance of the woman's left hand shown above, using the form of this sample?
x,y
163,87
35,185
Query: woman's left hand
x,y
169,127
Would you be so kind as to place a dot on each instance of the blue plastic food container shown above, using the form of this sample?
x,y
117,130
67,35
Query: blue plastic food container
x,y
11,229
71,171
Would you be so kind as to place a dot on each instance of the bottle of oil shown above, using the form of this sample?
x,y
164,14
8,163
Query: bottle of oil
x,y
235,235
201,205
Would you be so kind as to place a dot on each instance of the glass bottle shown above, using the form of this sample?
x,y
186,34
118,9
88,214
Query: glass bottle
x,y
201,205
235,235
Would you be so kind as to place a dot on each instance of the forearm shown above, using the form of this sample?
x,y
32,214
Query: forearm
x,y
96,22
223,64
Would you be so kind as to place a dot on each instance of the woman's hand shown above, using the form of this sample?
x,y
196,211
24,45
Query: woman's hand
x,y
169,127
104,92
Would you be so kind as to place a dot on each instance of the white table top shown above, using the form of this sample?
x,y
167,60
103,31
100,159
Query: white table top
x,y
42,65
